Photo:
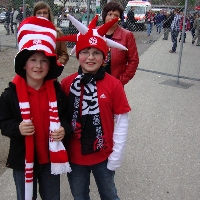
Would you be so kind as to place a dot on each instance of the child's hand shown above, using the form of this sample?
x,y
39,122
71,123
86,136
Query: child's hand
x,y
26,128
58,134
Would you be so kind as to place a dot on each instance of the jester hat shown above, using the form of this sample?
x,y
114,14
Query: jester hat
x,y
91,37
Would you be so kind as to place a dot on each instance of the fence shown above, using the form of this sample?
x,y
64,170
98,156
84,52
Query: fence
x,y
85,10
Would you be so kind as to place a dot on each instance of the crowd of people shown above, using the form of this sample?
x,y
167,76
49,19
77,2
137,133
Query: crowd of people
x,y
14,17
169,22
77,126
174,23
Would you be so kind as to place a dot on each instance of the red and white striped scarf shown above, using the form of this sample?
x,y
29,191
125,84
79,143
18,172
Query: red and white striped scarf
x,y
57,151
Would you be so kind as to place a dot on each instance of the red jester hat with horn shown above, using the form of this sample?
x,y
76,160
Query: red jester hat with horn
x,y
91,37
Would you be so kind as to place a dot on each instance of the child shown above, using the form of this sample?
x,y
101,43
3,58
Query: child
x,y
32,113
98,115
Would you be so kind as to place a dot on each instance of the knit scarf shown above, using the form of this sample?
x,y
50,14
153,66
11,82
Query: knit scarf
x,y
57,152
87,125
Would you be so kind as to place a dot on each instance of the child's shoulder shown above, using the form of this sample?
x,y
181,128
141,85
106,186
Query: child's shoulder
x,y
110,82
69,78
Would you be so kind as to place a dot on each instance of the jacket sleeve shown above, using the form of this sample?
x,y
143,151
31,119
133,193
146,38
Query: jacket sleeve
x,y
132,60
10,116
61,49
119,140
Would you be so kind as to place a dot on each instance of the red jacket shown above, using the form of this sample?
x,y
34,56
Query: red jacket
x,y
187,24
114,101
124,63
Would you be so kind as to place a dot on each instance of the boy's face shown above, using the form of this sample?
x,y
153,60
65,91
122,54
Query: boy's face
x,y
37,67
90,60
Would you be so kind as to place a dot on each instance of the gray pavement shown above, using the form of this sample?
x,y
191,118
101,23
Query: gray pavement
x,y
162,158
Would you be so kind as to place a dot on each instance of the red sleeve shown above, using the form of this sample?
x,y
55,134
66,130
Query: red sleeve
x,y
120,101
132,59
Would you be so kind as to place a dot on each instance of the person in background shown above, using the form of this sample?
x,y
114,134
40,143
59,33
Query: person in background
x,y
196,25
7,21
118,63
98,112
20,16
192,18
131,19
150,19
175,28
28,11
33,114
168,18
13,20
43,9
159,18
187,28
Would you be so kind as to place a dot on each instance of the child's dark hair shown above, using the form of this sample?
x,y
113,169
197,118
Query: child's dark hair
x,y
112,6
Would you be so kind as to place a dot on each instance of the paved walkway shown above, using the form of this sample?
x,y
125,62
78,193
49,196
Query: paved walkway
x,y
162,159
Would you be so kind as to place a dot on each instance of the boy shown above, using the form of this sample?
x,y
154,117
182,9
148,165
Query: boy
x,y
32,111
98,112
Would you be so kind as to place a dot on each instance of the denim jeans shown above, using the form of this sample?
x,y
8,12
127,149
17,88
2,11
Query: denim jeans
x,y
159,27
79,181
49,185
149,28
174,35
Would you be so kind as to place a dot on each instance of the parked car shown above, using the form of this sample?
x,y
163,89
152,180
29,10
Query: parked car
x,y
2,16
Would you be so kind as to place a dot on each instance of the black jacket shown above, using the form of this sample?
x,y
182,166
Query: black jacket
x,y
7,19
10,118
167,21
131,16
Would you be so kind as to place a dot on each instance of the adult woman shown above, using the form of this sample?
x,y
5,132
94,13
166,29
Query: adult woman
x,y
120,63
43,9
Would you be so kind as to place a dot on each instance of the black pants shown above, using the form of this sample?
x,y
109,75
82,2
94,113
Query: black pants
x,y
130,25
13,27
183,36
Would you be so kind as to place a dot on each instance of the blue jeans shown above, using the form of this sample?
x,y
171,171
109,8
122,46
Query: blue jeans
x,y
149,28
49,185
79,181
159,27
174,36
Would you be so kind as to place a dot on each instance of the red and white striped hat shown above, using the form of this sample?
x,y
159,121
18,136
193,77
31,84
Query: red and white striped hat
x,y
91,36
37,34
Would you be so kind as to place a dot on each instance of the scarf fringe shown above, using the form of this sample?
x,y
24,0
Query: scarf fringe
x,y
29,191
28,180
60,168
